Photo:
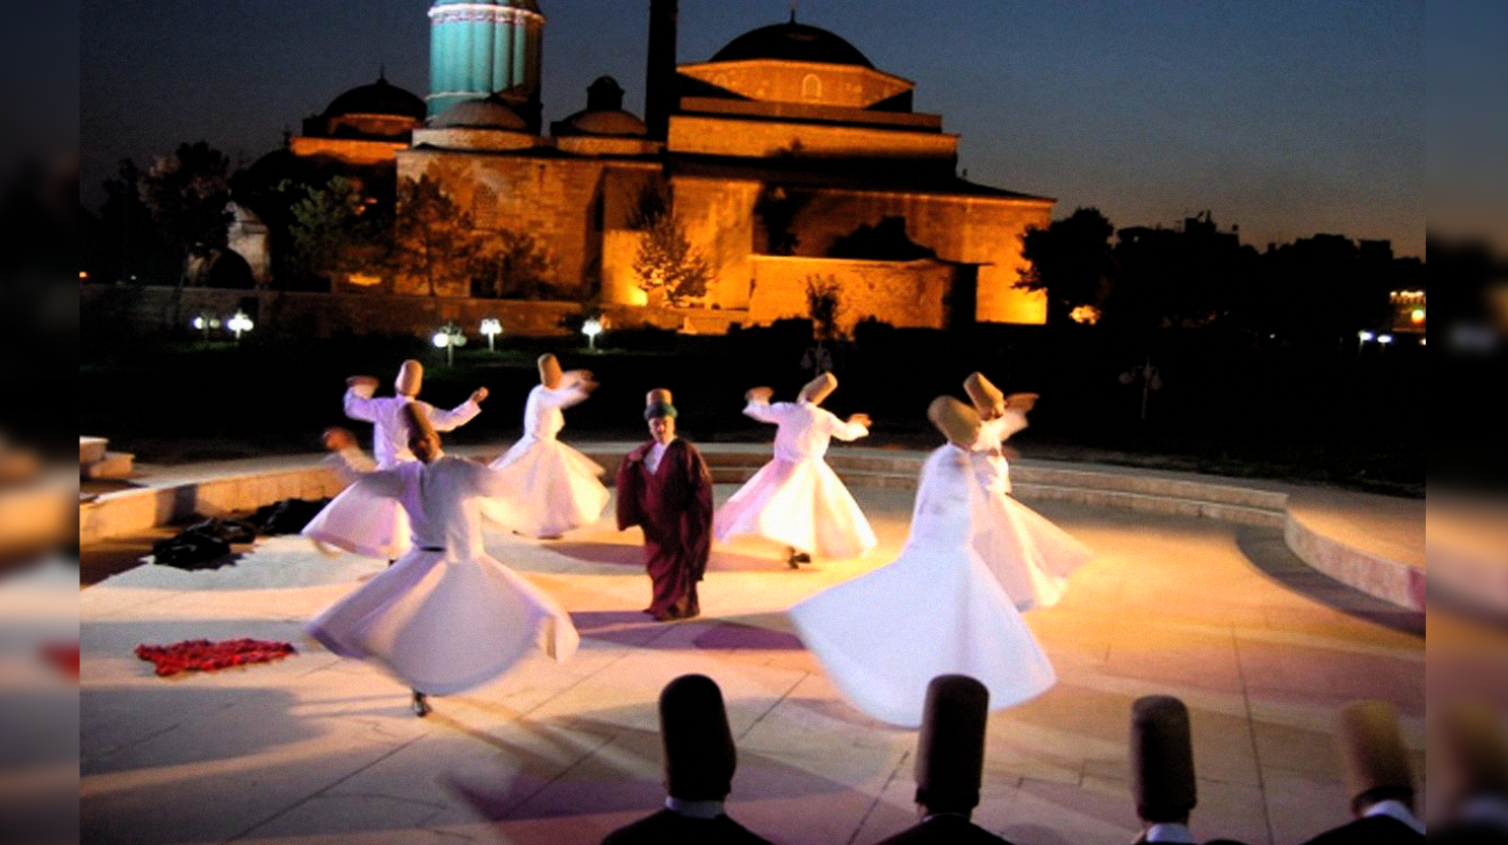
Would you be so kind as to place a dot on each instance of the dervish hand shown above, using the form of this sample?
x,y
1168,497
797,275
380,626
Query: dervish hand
x,y
478,395
860,419
337,439
362,381
759,394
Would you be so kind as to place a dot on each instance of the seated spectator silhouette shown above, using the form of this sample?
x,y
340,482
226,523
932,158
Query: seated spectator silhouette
x,y
699,763
1162,770
1470,756
1379,778
950,764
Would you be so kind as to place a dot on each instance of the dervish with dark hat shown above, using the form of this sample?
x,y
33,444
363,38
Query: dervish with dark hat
x,y
950,765
1379,777
1162,770
699,763
1469,758
665,488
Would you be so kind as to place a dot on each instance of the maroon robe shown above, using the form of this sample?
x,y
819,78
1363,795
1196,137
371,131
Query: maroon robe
x,y
674,507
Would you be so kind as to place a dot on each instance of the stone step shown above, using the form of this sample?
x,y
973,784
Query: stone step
x,y
1152,503
114,465
92,450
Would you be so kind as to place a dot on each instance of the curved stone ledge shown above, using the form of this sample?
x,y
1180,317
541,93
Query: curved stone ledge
x,y
240,486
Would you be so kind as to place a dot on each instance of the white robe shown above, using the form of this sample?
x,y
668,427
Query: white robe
x,y
881,637
446,617
375,526
797,499
1030,556
551,488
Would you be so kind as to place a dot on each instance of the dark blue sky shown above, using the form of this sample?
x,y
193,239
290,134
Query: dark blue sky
x,y
1287,117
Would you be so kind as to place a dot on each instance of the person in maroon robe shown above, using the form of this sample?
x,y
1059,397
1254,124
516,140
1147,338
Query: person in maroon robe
x,y
665,488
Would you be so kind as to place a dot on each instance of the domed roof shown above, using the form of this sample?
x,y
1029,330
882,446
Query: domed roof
x,y
381,97
617,122
793,42
526,5
490,113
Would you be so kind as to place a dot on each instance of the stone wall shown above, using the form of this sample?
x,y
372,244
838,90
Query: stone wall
x,y
905,294
977,230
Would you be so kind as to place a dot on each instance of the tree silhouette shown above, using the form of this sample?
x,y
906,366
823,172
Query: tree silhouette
x,y
1071,261
187,193
335,229
670,270
514,266
433,238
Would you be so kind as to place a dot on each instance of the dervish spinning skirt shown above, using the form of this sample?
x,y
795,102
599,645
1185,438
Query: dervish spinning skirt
x,y
362,522
551,489
802,504
443,627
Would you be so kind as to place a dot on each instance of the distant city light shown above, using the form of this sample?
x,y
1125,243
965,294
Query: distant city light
x,y
1085,314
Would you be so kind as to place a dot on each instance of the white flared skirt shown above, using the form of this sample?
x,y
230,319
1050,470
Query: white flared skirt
x,y
802,504
883,636
552,489
443,627
362,522
1031,557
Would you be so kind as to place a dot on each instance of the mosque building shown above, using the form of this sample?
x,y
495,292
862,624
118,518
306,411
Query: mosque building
x,y
784,158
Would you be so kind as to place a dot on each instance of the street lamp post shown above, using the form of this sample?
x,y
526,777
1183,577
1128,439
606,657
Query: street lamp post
x,y
491,328
591,328
204,321
448,338
240,323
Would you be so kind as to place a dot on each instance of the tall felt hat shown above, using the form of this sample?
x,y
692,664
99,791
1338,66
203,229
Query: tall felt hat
x,y
1469,746
1162,759
1372,750
957,421
410,376
950,750
417,421
988,400
657,403
818,389
699,754
549,371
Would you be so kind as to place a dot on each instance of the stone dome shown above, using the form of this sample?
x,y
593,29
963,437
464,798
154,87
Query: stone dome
x,y
381,97
489,113
525,5
619,122
792,42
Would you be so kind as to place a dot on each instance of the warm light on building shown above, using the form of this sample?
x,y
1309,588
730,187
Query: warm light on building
x,y
1085,314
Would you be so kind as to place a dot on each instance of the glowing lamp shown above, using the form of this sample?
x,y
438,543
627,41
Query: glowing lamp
x,y
240,323
591,328
491,328
1384,338
1365,336
448,338
1416,316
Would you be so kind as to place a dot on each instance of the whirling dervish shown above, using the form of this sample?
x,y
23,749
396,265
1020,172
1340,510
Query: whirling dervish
x,y
1032,557
379,527
446,617
797,499
550,487
936,610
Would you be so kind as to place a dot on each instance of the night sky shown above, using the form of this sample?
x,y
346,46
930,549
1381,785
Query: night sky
x,y
1287,117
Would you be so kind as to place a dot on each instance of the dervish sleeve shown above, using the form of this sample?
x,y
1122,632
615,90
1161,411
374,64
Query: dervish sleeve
x,y
359,404
765,412
353,467
453,418
630,491
698,524
844,430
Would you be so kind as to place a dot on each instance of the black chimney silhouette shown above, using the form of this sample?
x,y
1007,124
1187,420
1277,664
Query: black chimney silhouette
x,y
659,79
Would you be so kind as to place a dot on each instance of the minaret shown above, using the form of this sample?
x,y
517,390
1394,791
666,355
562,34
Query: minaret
x,y
486,47
659,80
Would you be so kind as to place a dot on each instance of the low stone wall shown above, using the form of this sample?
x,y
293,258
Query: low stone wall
x,y
147,310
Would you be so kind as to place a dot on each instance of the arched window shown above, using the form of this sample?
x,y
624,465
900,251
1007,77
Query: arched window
x,y
811,87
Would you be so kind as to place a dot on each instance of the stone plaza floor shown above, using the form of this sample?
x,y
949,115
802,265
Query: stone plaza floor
x,y
315,748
